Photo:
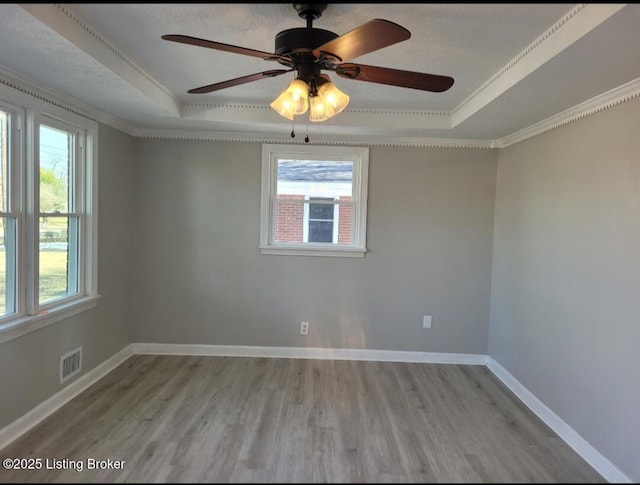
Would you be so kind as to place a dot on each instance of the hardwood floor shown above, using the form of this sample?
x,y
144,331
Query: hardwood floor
x,y
234,419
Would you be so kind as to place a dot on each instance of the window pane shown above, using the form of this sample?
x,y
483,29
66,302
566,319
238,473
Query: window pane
x,y
321,231
4,162
56,170
321,211
58,257
7,265
330,179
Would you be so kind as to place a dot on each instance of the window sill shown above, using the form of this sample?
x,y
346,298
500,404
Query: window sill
x,y
292,250
26,324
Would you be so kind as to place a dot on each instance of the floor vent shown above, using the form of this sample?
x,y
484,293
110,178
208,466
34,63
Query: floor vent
x,y
70,364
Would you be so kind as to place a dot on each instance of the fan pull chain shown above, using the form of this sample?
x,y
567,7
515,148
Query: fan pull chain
x,y
293,134
306,138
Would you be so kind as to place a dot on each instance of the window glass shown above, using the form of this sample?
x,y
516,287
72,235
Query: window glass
x,y
8,282
56,170
58,257
301,181
5,166
58,235
7,265
321,221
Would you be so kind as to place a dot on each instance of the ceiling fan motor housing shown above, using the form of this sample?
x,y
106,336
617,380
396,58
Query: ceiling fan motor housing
x,y
300,38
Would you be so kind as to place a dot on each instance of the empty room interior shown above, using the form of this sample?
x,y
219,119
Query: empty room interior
x,y
338,242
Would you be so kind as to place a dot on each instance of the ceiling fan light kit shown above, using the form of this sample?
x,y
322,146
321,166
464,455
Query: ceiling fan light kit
x,y
308,51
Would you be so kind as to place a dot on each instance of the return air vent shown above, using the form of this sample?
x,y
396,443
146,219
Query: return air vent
x,y
70,364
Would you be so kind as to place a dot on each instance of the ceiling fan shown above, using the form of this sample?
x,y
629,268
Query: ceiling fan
x,y
309,51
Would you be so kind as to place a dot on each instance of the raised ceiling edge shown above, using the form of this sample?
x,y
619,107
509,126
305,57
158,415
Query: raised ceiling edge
x,y
592,106
19,83
187,105
569,29
320,139
68,25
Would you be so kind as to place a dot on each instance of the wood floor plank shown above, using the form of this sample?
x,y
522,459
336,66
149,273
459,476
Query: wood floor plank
x,y
187,419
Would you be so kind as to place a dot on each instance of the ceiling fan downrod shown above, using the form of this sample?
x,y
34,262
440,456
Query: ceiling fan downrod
x,y
310,11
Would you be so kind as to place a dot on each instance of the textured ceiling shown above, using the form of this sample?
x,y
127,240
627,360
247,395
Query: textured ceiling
x,y
514,65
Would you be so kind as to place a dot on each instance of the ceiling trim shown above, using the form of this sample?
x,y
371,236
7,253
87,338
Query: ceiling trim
x,y
570,28
21,84
362,118
601,102
195,107
316,139
64,22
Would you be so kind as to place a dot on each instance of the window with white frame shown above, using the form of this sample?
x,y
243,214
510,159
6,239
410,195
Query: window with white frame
x,y
61,212
10,216
314,200
48,224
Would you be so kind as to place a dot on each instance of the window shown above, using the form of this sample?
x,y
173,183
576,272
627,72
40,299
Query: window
x,y
314,200
9,214
60,216
48,225
319,220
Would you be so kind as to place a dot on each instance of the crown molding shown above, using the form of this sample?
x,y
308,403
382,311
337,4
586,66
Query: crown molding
x,y
594,105
575,24
21,84
319,139
192,109
362,118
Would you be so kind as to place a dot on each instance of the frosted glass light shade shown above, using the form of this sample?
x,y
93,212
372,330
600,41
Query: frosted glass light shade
x,y
293,100
329,102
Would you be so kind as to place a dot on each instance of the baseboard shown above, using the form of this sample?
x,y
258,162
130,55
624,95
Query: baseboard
x,y
592,456
310,353
23,424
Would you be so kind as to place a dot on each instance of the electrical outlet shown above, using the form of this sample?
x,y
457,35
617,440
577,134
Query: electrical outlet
x,y
304,328
426,321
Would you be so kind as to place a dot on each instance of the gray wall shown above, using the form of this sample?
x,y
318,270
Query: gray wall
x,y
199,277
565,302
29,365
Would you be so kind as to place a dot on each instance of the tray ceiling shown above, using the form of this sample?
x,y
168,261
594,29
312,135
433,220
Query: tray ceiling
x,y
515,65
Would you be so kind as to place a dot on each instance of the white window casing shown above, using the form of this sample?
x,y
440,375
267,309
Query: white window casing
x,y
357,188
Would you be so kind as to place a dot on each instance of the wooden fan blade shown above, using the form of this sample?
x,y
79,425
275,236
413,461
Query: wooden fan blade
x,y
395,77
186,39
239,80
369,37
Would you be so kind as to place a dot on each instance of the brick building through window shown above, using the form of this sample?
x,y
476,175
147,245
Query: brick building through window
x,y
314,202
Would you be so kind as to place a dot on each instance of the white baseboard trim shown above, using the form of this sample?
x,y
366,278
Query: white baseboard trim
x,y
309,353
23,424
592,456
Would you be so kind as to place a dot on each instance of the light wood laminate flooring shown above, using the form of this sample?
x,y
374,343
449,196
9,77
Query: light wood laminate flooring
x,y
235,419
